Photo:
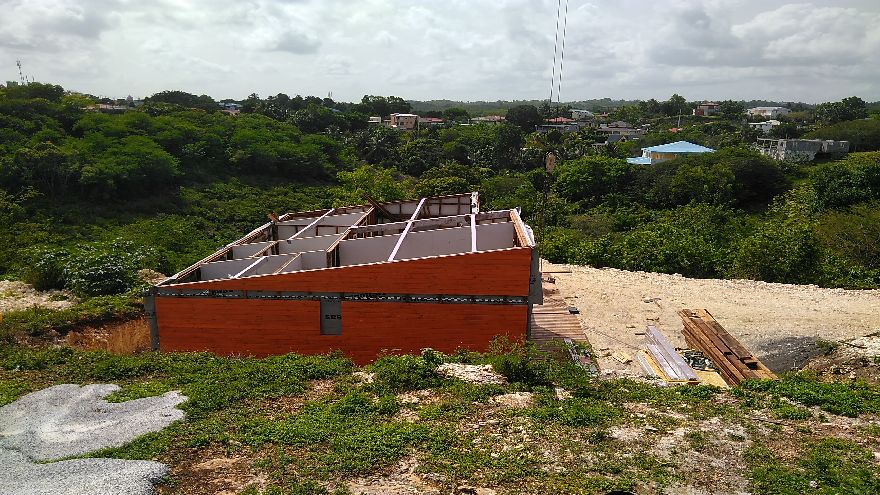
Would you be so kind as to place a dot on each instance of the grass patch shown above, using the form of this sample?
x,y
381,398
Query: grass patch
x,y
10,390
846,399
834,466
38,321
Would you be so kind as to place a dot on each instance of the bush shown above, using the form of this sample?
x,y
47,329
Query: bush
x,y
406,372
849,181
102,269
519,362
47,271
561,245
782,250
93,311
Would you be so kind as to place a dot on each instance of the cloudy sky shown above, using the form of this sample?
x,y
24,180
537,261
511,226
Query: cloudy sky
x,y
454,49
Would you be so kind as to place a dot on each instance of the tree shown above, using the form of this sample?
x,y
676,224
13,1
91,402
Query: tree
x,y
732,110
419,155
456,114
380,184
182,98
51,92
590,178
851,108
675,105
526,117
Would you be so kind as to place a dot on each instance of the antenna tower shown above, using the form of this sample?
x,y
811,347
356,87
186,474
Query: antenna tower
x,y
20,74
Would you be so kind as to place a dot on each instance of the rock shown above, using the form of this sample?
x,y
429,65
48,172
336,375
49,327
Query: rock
x,y
482,374
516,400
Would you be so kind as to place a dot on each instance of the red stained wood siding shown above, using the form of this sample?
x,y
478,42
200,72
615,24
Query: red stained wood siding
x,y
494,273
261,327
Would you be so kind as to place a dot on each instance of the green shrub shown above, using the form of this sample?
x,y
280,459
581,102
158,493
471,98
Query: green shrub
x,y
47,270
781,250
833,466
406,372
519,362
561,245
105,268
848,399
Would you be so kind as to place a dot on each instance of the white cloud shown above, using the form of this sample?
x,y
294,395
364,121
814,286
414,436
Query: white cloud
x,y
456,49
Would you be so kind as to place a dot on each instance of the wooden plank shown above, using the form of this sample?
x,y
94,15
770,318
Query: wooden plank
x,y
735,363
672,356
701,343
655,352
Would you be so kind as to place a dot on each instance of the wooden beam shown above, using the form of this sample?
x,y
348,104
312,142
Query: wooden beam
x,y
406,229
255,263
314,222
428,223
473,233
382,209
521,236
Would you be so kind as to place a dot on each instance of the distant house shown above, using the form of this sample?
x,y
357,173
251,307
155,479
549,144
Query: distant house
x,y
375,120
656,154
230,105
582,114
431,121
707,108
488,119
404,121
800,150
769,112
620,127
766,126
105,108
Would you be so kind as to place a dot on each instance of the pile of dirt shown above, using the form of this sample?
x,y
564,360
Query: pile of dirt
x,y
16,296
780,323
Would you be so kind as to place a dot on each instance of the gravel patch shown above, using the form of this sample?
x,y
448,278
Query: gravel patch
x,y
69,420
19,476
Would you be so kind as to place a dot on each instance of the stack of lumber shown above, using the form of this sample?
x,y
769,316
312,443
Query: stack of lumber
x,y
666,362
734,362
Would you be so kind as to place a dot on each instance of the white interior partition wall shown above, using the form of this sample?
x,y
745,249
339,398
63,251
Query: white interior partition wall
x,y
366,250
302,244
435,243
495,236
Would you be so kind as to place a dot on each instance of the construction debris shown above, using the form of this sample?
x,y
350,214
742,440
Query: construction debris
x,y
621,357
734,362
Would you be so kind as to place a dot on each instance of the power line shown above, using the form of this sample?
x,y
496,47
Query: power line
x,y
555,47
562,56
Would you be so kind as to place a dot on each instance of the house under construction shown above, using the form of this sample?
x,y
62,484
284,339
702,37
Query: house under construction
x,y
398,276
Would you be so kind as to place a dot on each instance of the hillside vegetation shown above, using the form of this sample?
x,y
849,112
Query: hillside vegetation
x,y
87,199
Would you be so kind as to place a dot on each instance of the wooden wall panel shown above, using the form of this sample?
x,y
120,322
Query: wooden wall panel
x,y
502,273
261,327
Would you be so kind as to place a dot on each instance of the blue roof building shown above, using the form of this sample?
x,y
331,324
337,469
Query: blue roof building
x,y
664,152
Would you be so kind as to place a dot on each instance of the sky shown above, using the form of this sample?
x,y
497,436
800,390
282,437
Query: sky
x,y
449,49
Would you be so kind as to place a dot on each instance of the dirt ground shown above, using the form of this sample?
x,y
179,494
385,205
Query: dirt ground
x,y
779,323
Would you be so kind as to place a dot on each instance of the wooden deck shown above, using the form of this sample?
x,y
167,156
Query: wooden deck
x,y
551,321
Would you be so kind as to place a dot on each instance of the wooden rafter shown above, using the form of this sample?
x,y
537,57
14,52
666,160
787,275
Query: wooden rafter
x,y
406,229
